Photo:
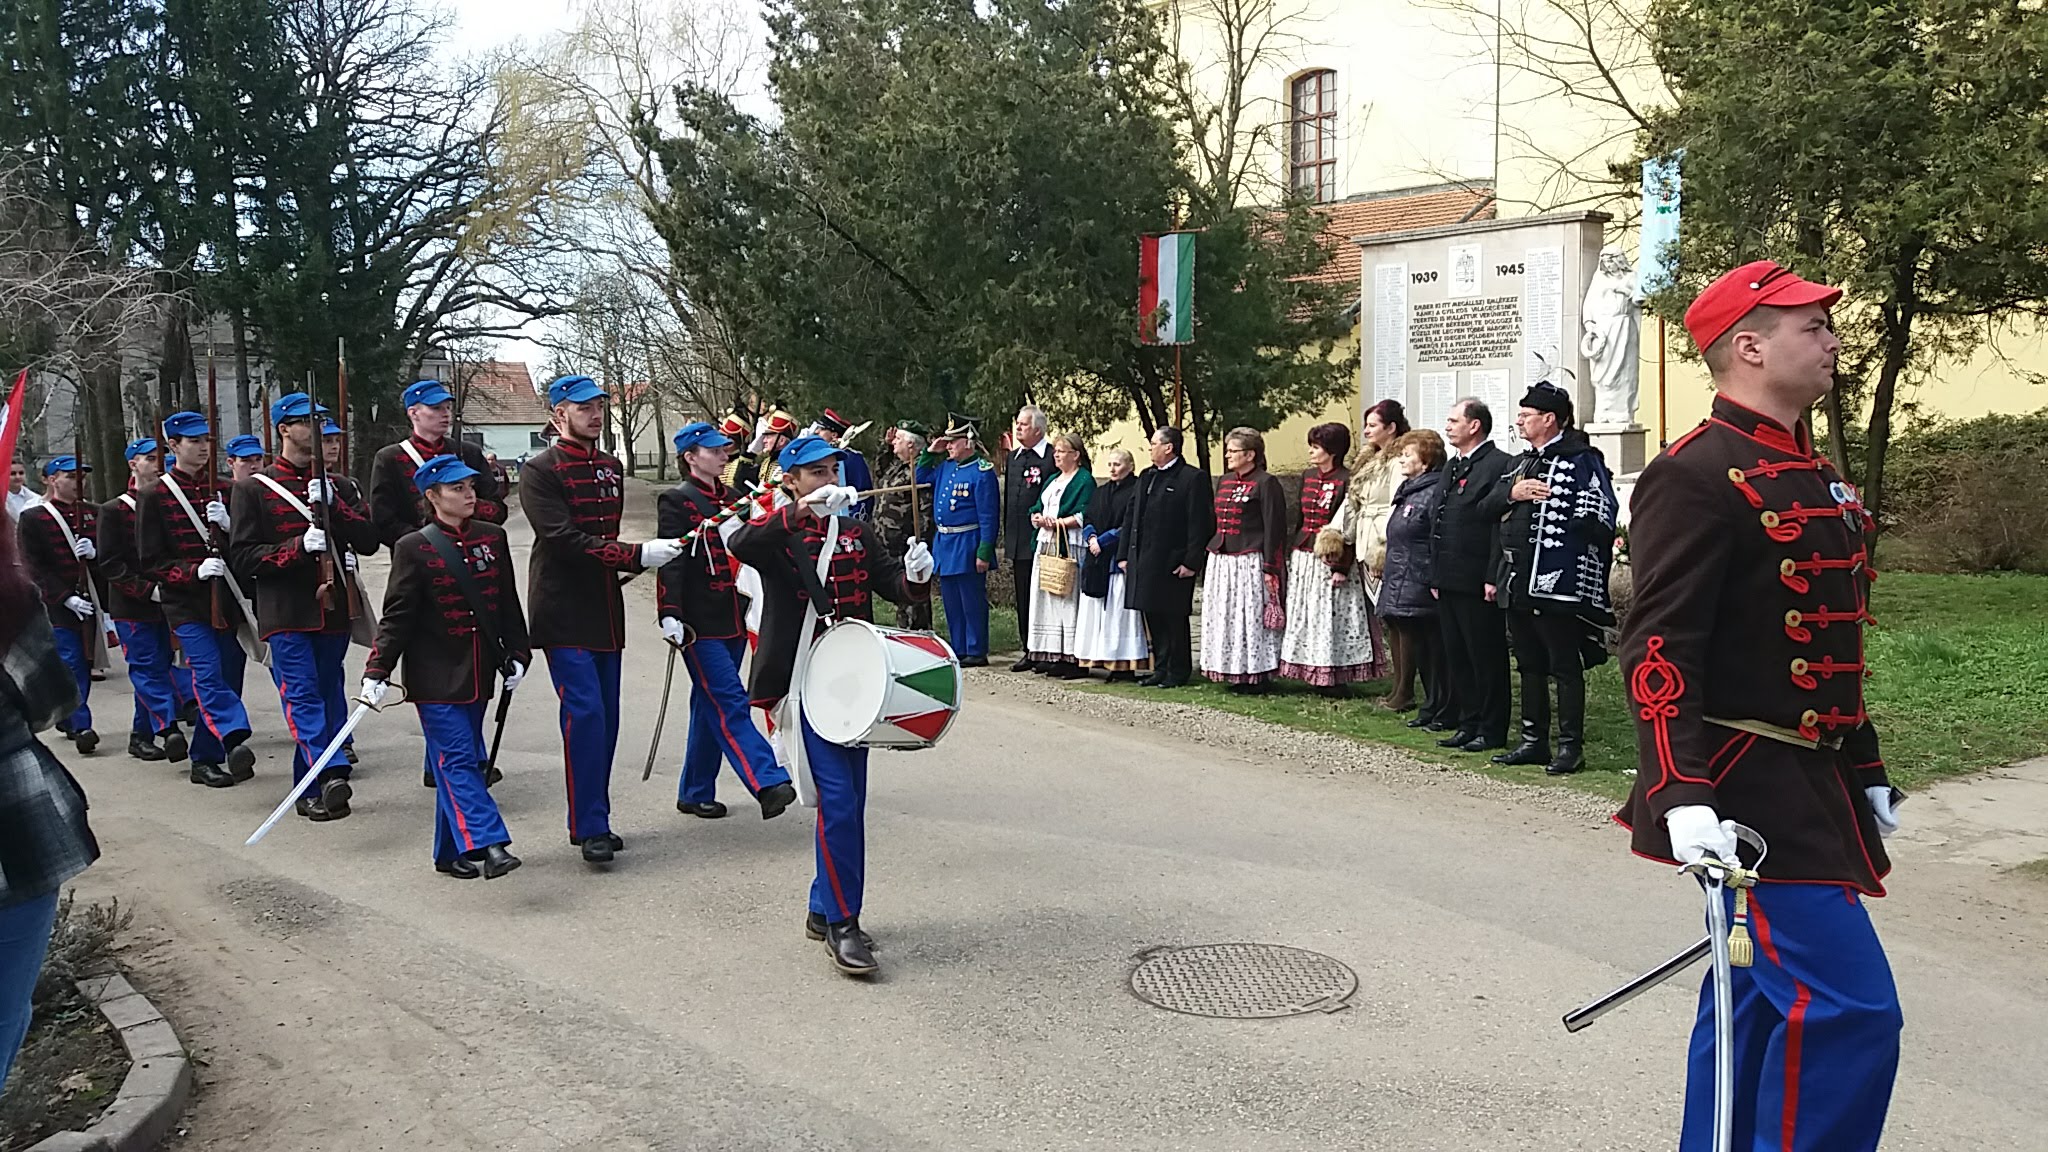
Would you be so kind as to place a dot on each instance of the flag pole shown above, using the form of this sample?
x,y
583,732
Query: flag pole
x,y
1178,393
1663,416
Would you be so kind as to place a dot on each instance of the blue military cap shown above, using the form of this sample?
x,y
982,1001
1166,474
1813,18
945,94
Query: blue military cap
x,y
700,435
805,450
65,463
443,469
186,425
141,446
572,390
428,392
329,428
294,406
242,447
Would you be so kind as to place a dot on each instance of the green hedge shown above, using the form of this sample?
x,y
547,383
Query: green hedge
x,y
1968,495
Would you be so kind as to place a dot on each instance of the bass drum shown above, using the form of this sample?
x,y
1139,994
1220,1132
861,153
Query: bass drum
x,y
873,687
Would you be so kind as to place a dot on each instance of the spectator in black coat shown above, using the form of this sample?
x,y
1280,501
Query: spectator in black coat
x,y
1162,548
1464,563
1408,603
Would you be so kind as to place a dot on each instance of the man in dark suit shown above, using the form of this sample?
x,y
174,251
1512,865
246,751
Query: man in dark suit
x,y
1163,541
1465,556
1025,475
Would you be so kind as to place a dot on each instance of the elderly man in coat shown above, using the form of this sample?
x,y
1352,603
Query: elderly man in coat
x,y
1164,540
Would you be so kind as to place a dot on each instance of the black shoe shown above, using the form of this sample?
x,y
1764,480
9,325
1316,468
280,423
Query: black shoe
x,y
86,740
775,799
1419,722
315,809
1023,665
1569,760
814,928
974,661
1440,726
211,775
1457,739
497,861
1483,744
1124,677
427,778
175,748
849,953
1151,681
459,868
492,775
143,747
1068,672
1527,752
190,713
335,793
241,762
611,838
708,810
598,850
348,753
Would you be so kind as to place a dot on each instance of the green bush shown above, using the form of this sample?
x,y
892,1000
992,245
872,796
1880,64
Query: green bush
x,y
1964,496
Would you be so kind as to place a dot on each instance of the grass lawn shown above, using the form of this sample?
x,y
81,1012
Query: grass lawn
x,y
1961,684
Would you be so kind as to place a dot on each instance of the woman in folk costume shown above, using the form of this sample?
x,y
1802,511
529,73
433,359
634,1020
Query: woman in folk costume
x,y
1328,641
1058,516
1359,533
1243,605
1111,635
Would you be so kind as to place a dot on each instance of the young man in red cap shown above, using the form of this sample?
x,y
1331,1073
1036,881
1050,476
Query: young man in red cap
x,y
1743,655
395,506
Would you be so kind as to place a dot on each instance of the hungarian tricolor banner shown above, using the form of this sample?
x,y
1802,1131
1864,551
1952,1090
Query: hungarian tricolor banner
x,y
1166,288
10,420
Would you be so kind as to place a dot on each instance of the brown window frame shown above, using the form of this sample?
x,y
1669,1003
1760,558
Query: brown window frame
x,y
1312,134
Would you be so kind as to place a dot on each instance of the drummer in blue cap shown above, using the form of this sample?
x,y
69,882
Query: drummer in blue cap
x,y
281,531
161,691
701,613
60,551
181,528
785,546
455,643
394,503
966,507
573,493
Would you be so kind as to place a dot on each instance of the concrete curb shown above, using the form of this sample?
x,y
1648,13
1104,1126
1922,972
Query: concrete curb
x,y
159,1076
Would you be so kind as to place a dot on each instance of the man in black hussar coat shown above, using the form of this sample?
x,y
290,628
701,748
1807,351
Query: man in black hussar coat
x,y
1162,545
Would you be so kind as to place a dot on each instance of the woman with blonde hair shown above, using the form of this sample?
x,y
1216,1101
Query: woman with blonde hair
x,y
1328,642
1112,636
1058,516
1243,607
1356,541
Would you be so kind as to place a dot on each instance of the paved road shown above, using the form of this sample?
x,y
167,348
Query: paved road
x,y
346,997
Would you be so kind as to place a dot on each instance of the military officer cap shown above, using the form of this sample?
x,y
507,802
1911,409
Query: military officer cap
x,y
958,425
446,468
1742,290
781,423
733,426
914,428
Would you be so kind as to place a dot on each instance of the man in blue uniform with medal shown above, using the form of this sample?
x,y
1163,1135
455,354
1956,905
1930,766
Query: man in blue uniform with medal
x,y
966,502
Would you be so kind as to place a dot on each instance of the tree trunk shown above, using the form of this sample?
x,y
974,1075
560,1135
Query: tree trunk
x,y
105,432
1898,333
661,440
1199,417
1838,431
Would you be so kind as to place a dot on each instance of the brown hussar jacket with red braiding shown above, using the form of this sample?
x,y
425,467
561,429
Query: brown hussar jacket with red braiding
x,y
1751,591
573,497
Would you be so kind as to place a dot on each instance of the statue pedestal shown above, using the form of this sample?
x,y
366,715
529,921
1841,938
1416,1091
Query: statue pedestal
x,y
1624,445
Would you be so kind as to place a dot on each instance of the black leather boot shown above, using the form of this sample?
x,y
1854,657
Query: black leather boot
x,y
175,747
459,868
708,810
775,799
143,747
211,775
496,861
85,740
314,809
850,954
597,850
1534,746
814,928
1571,727
241,762
335,793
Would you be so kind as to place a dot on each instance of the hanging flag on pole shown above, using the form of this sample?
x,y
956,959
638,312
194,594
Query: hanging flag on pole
x,y
1657,252
10,420
1166,288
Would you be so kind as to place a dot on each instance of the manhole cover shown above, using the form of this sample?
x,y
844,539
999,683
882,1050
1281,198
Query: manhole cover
x,y
1243,981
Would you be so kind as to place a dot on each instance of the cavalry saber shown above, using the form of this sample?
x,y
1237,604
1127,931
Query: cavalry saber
x,y
667,683
1579,1018
306,781
1713,881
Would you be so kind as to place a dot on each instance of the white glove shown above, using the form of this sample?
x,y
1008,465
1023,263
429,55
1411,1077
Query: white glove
x,y
218,513
654,553
513,677
82,608
348,561
315,540
1881,807
1697,832
319,491
212,568
373,692
674,630
918,562
84,549
833,499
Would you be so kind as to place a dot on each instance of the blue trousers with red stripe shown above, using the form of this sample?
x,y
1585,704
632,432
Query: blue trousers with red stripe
x,y
841,776
720,725
1816,1029
587,681
216,660
147,645
307,668
71,649
966,600
466,818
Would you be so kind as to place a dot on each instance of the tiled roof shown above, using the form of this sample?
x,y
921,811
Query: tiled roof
x,y
501,392
1391,212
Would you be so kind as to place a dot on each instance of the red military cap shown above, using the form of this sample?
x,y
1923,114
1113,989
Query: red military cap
x,y
781,423
734,426
1733,296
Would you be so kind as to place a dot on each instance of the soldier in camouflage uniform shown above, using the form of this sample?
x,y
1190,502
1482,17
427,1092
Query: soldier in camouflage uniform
x,y
893,519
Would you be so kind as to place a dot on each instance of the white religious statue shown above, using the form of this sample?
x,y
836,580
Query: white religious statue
x,y
1613,339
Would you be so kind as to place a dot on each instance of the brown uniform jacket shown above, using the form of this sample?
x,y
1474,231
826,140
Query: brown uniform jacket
x,y
128,590
573,496
57,571
169,549
268,543
428,623
1743,651
397,507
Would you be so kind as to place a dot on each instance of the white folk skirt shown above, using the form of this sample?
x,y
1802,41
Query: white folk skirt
x,y
1055,621
1329,628
1237,647
1113,636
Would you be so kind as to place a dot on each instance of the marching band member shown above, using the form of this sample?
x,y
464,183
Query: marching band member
x,y
58,549
1743,655
784,546
394,504
698,594
573,494
278,540
966,507
180,545
245,458
160,690
778,428
453,653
